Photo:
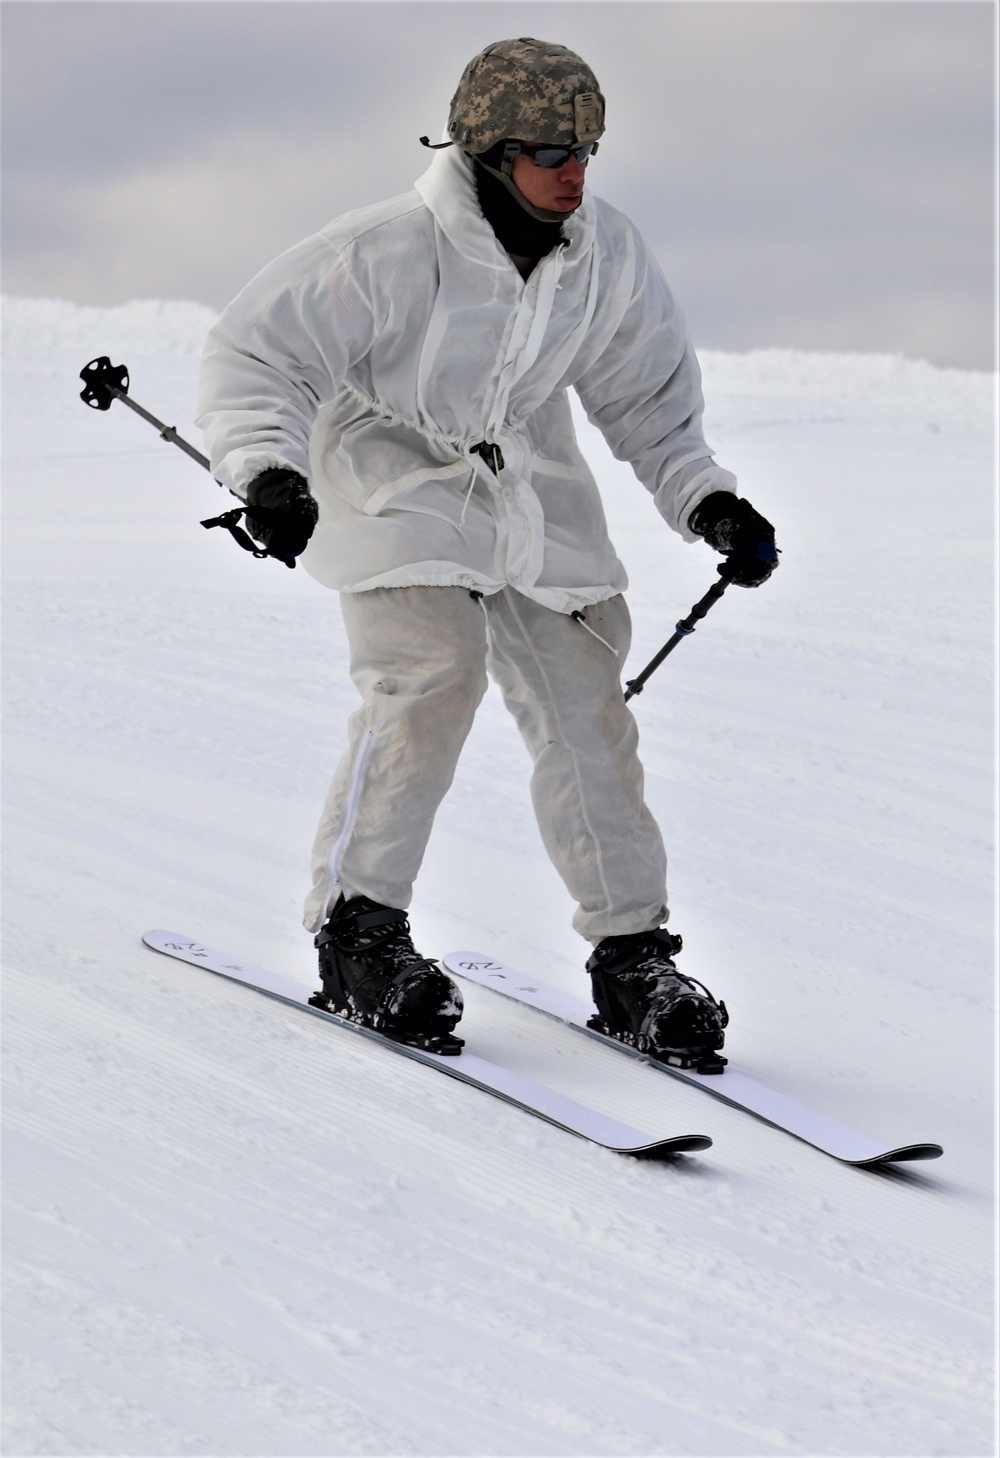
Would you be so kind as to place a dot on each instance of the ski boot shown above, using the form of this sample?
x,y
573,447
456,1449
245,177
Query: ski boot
x,y
373,975
643,1001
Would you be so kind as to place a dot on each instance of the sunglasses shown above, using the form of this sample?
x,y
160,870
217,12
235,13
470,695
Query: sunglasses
x,y
542,156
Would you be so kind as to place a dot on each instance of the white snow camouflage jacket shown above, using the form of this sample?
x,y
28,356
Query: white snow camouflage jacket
x,y
374,356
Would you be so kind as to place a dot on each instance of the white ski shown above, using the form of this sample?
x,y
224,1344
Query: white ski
x,y
731,1086
467,1067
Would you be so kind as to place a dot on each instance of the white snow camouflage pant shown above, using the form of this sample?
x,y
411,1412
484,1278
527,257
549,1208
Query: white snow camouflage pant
x,y
419,658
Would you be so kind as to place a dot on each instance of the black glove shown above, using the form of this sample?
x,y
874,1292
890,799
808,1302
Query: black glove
x,y
730,525
281,513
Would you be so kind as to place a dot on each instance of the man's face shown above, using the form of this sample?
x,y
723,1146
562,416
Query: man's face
x,y
557,189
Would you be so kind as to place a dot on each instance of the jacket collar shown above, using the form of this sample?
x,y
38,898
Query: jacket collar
x,y
448,190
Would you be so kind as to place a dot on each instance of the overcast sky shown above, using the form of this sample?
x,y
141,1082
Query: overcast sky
x,y
811,173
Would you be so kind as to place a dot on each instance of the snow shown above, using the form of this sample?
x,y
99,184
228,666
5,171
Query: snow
x,y
231,1230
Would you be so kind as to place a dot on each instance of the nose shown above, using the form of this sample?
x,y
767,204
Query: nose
x,y
572,171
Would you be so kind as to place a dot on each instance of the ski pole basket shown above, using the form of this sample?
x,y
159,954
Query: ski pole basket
x,y
104,383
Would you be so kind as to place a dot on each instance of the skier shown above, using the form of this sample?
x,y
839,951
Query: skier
x,y
390,399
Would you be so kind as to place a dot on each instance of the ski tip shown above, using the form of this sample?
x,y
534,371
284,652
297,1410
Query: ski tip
x,y
900,1156
157,939
667,1148
175,944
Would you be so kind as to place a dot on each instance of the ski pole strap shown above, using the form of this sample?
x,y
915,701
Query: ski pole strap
x,y
230,520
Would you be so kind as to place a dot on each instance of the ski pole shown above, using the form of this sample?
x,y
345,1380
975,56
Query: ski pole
x,y
104,383
684,629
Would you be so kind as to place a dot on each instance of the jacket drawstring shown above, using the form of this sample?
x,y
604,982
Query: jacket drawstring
x,y
578,615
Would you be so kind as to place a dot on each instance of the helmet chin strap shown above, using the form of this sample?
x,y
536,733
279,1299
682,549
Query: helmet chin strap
x,y
504,174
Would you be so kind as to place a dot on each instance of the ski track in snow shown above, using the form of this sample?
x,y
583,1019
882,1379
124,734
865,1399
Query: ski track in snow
x,y
231,1230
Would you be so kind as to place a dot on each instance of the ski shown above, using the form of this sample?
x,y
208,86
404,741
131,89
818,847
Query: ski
x,y
467,1067
731,1086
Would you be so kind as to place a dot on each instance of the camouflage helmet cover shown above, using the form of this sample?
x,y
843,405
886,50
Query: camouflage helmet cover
x,y
527,89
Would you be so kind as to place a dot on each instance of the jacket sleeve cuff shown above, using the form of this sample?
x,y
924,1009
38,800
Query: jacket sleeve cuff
x,y
238,469
677,498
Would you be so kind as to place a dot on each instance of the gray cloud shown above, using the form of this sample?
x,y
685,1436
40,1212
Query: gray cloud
x,y
811,174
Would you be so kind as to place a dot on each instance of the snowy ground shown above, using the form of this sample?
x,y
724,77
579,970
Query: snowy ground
x,y
231,1230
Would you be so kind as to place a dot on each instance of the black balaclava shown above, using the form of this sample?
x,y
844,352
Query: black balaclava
x,y
516,230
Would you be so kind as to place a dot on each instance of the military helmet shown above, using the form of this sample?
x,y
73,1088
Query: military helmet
x,y
527,89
